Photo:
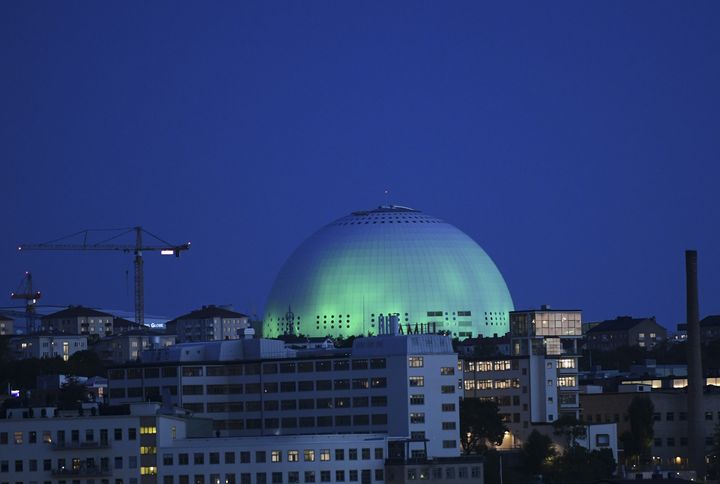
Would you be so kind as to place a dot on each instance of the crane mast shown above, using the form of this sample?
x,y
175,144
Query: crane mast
x,y
164,247
26,292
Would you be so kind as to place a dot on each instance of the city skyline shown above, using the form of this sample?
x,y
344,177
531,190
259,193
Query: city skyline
x,y
575,144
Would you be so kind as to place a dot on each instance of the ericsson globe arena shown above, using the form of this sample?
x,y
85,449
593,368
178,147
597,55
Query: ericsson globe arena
x,y
390,260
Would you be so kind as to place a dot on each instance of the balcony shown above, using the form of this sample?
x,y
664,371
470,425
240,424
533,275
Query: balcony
x,y
83,472
75,445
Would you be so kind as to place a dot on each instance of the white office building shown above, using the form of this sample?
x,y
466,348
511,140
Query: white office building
x,y
405,387
149,445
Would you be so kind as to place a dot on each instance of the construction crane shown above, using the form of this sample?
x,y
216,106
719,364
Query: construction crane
x,y
164,247
26,292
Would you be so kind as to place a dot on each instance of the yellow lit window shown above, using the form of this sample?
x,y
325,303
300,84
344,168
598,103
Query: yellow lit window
x,y
148,450
148,471
148,430
276,456
309,455
325,455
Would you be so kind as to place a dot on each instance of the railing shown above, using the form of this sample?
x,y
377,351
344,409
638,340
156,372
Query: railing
x,y
83,472
74,445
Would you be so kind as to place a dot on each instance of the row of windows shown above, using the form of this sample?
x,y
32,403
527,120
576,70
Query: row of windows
x,y
490,384
261,456
33,465
276,405
437,474
292,477
670,441
249,369
303,422
256,388
61,436
500,365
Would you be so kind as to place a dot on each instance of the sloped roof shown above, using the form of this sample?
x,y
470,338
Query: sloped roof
x,y
76,312
621,323
708,321
211,311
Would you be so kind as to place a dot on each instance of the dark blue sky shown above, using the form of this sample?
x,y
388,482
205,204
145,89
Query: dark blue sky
x,y
576,142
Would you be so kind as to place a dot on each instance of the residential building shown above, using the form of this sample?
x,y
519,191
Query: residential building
x,y
210,323
47,345
7,325
404,386
625,331
709,328
78,320
538,383
128,346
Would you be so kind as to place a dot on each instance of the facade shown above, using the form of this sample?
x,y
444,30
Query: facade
x,y
670,444
122,348
42,345
78,320
402,386
538,383
210,323
709,329
625,331
7,325
149,446
390,260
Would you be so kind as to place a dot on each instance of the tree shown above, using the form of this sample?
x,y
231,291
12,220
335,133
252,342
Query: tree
x,y
72,394
480,425
85,363
638,441
537,451
580,466
570,427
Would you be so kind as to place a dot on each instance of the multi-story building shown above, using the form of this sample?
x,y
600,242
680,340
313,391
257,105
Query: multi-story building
x,y
47,345
7,325
670,425
121,348
403,386
625,331
709,328
210,323
78,320
538,383
149,445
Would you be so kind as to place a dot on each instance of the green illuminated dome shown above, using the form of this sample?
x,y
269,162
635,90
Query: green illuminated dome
x,y
388,260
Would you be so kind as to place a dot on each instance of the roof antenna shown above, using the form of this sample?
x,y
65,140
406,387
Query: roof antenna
x,y
387,197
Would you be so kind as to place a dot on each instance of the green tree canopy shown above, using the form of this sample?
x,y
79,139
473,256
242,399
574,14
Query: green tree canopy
x,y
537,451
638,441
480,425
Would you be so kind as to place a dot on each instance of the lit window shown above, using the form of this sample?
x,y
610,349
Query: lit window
x,y
325,455
276,456
148,450
148,471
417,381
293,456
309,455
415,361
148,430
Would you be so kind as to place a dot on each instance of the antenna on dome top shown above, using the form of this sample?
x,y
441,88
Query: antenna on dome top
x,y
386,192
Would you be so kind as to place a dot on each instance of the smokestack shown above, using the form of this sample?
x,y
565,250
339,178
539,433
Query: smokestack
x,y
696,383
